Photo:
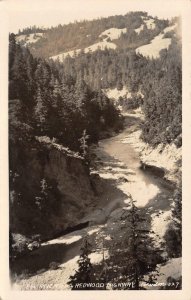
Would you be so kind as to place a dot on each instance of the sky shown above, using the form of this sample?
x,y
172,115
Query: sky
x,y
47,13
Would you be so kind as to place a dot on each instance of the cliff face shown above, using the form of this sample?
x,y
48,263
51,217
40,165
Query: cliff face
x,y
73,183
165,158
51,190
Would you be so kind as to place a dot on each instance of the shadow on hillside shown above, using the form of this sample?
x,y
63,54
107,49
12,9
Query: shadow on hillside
x,y
40,260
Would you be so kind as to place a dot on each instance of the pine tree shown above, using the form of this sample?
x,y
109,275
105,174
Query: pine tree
x,y
84,144
85,273
173,235
81,93
40,112
19,76
134,256
177,207
56,94
102,276
141,253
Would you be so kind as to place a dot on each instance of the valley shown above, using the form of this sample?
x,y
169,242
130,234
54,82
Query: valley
x,y
118,165
95,153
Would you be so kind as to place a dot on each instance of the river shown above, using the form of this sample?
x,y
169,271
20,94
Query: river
x,y
118,165
118,159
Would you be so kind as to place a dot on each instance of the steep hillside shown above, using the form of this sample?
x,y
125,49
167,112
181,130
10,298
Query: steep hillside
x,y
26,39
50,188
116,31
52,121
159,43
134,52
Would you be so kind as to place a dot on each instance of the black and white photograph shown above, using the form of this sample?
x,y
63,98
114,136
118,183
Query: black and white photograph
x,y
94,146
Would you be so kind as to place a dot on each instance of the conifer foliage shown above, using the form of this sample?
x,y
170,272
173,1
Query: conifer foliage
x,y
85,273
137,255
67,103
46,102
173,235
79,35
57,104
140,249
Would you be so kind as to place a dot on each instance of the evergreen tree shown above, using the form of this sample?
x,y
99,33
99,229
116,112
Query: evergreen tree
x,y
40,112
140,254
177,207
56,94
85,272
135,255
173,235
103,275
84,144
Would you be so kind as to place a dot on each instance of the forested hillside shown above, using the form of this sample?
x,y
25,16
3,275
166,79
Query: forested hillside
x,y
80,35
50,115
158,79
54,104
71,87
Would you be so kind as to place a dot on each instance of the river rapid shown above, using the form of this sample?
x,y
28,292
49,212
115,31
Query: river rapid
x,y
117,163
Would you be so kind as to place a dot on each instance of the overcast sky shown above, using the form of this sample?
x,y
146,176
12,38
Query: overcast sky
x,y
23,13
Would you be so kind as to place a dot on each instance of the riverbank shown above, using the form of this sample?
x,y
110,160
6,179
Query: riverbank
x,y
167,158
117,175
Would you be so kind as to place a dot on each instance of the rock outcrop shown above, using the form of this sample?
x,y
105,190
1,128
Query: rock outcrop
x,y
56,189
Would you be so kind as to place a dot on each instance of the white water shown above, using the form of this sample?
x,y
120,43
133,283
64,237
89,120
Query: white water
x,y
120,160
119,165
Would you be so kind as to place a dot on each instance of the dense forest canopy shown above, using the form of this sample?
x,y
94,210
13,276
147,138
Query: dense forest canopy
x,y
56,104
159,80
31,29
45,104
